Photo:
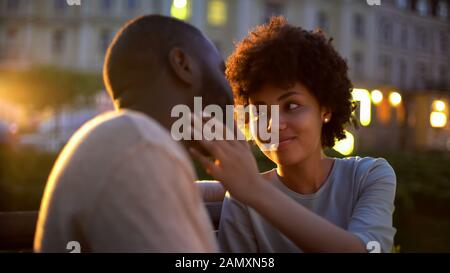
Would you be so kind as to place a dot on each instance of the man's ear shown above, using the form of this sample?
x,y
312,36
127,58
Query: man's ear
x,y
182,65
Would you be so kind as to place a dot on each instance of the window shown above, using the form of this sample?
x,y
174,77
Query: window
x,y
12,5
422,7
12,36
442,9
386,31
359,26
443,74
131,4
60,5
421,39
58,41
358,65
443,41
272,8
217,12
386,68
106,5
322,21
105,39
402,73
402,4
421,75
404,36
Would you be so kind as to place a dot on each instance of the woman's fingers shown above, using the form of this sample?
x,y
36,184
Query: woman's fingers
x,y
215,148
228,145
219,148
206,162
221,137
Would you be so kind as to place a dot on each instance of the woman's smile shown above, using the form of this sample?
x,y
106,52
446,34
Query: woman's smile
x,y
285,142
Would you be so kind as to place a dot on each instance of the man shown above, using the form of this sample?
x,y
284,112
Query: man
x,y
122,184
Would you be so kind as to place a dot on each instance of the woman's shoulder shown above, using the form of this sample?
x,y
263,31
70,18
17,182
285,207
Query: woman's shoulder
x,y
364,163
367,169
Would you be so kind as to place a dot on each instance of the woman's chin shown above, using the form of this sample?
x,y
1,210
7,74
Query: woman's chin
x,y
286,158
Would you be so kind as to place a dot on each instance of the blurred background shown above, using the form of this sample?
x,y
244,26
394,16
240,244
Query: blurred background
x,y
51,57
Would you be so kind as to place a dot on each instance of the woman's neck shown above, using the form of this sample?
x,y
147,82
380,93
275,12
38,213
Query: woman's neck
x,y
307,176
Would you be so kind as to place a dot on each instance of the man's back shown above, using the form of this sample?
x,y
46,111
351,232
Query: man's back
x,y
123,185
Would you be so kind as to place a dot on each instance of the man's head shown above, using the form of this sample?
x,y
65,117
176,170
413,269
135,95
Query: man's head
x,y
156,62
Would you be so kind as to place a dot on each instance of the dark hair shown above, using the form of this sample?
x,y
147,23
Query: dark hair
x,y
280,54
139,52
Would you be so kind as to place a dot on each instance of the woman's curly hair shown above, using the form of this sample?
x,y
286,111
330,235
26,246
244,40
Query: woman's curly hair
x,y
280,54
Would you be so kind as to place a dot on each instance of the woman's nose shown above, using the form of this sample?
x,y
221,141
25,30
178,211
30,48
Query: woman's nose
x,y
281,123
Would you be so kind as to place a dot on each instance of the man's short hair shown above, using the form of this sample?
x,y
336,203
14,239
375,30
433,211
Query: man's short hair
x,y
139,52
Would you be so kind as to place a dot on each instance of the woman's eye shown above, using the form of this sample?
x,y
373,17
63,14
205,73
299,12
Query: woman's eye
x,y
292,106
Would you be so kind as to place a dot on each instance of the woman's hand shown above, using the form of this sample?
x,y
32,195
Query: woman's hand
x,y
233,164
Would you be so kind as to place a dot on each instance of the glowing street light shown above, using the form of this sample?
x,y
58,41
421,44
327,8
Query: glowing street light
x,y
395,99
365,108
438,119
180,9
179,4
377,97
439,106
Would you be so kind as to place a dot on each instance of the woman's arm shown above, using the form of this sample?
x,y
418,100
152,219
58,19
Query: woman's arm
x,y
235,166
307,230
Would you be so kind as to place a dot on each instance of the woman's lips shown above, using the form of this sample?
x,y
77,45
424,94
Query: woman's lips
x,y
285,141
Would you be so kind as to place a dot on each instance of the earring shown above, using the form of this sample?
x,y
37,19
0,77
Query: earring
x,y
326,120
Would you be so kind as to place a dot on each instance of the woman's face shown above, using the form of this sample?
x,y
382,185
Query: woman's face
x,y
300,122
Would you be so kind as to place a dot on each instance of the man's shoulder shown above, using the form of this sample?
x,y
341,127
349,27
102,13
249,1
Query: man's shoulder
x,y
154,134
124,125
146,127
124,121
111,134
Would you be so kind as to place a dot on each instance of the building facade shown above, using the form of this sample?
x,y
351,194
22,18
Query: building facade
x,y
401,45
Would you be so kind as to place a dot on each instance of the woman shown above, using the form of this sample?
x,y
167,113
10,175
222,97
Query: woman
x,y
310,202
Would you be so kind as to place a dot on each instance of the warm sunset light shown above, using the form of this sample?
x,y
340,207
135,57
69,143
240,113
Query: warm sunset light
x,y
346,145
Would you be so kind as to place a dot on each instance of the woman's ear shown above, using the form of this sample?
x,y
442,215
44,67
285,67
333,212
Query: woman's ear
x,y
182,65
326,114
